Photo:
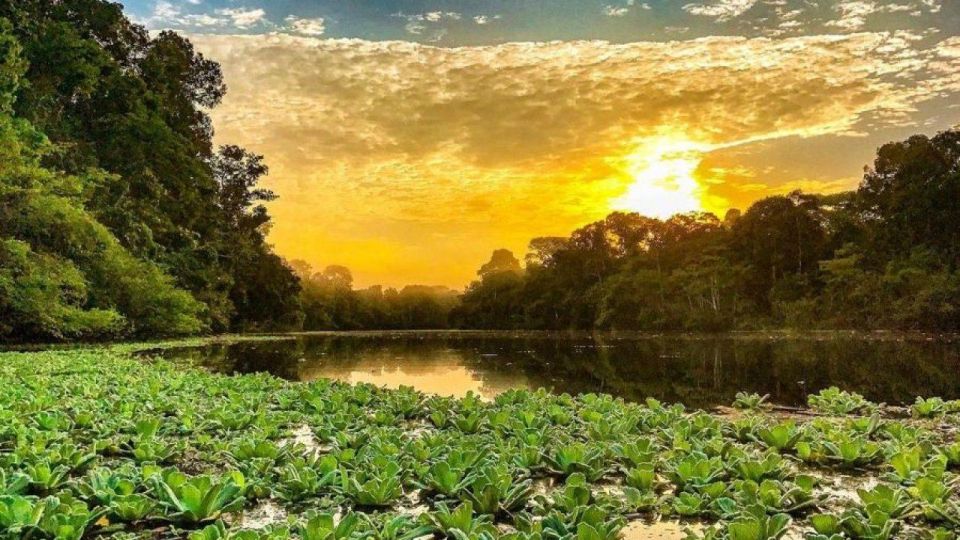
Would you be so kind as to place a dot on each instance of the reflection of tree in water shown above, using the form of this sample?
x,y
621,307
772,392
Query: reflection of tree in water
x,y
706,372
696,371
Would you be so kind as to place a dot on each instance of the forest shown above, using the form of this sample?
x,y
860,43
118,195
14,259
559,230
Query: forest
x,y
119,217
884,256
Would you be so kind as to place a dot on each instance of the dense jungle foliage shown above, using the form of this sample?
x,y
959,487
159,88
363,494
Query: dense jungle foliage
x,y
117,215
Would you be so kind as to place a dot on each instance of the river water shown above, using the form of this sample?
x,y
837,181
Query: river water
x,y
698,370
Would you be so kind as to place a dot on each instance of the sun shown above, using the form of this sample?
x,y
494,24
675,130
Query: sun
x,y
662,169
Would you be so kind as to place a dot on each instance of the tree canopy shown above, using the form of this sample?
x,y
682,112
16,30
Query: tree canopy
x,y
118,216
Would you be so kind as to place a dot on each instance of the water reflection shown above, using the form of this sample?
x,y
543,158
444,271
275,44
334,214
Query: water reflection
x,y
698,371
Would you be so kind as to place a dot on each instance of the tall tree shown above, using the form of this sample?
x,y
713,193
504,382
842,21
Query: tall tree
x,y
910,198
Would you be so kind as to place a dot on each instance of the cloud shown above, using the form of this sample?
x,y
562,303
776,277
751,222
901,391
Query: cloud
x,y
168,15
307,27
243,18
615,11
540,99
721,10
485,19
428,23
853,14
165,10
435,16
492,145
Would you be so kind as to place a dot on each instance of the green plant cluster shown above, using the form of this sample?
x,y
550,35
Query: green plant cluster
x,y
97,443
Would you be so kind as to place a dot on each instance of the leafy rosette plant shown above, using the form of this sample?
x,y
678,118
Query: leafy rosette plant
x,y
770,465
695,469
840,450
870,523
756,524
934,497
780,497
495,491
373,488
45,478
52,421
20,515
446,480
304,478
749,401
637,452
908,464
459,523
952,453
605,428
782,437
894,502
744,429
63,517
394,527
153,450
928,408
323,526
198,499
825,527
469,422
834,401
585,523
13,483
249,448
219,531
590,460
642,477
131,508
103,485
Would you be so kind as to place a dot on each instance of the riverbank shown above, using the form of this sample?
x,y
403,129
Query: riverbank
x,y
97,442
612,335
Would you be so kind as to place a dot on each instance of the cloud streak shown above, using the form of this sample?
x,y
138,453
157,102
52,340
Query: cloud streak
x,y
721,10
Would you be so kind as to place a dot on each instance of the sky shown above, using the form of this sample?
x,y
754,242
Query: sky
x,y
409,139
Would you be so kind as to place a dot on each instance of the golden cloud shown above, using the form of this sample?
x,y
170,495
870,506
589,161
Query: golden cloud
x,y
451,152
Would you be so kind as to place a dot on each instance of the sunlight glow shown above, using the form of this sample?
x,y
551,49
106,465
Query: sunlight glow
x,y
662,169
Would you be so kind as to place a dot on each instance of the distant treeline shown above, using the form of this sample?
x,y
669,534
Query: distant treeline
x,y
883,256
329,302
117,215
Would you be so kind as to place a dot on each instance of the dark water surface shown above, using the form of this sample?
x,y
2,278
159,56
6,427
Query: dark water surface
x,y
700,371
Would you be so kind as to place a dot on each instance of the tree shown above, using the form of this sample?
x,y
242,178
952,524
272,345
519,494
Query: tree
x,y
501,261
543,250
62,273
264,293
909,198
779,237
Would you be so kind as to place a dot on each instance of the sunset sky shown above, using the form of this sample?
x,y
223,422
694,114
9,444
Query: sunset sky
x,y
408,139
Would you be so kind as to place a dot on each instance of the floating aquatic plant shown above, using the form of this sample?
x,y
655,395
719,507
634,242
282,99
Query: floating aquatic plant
x,y
113,445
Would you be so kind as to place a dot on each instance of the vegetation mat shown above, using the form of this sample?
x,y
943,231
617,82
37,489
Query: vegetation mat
x,y
97,443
